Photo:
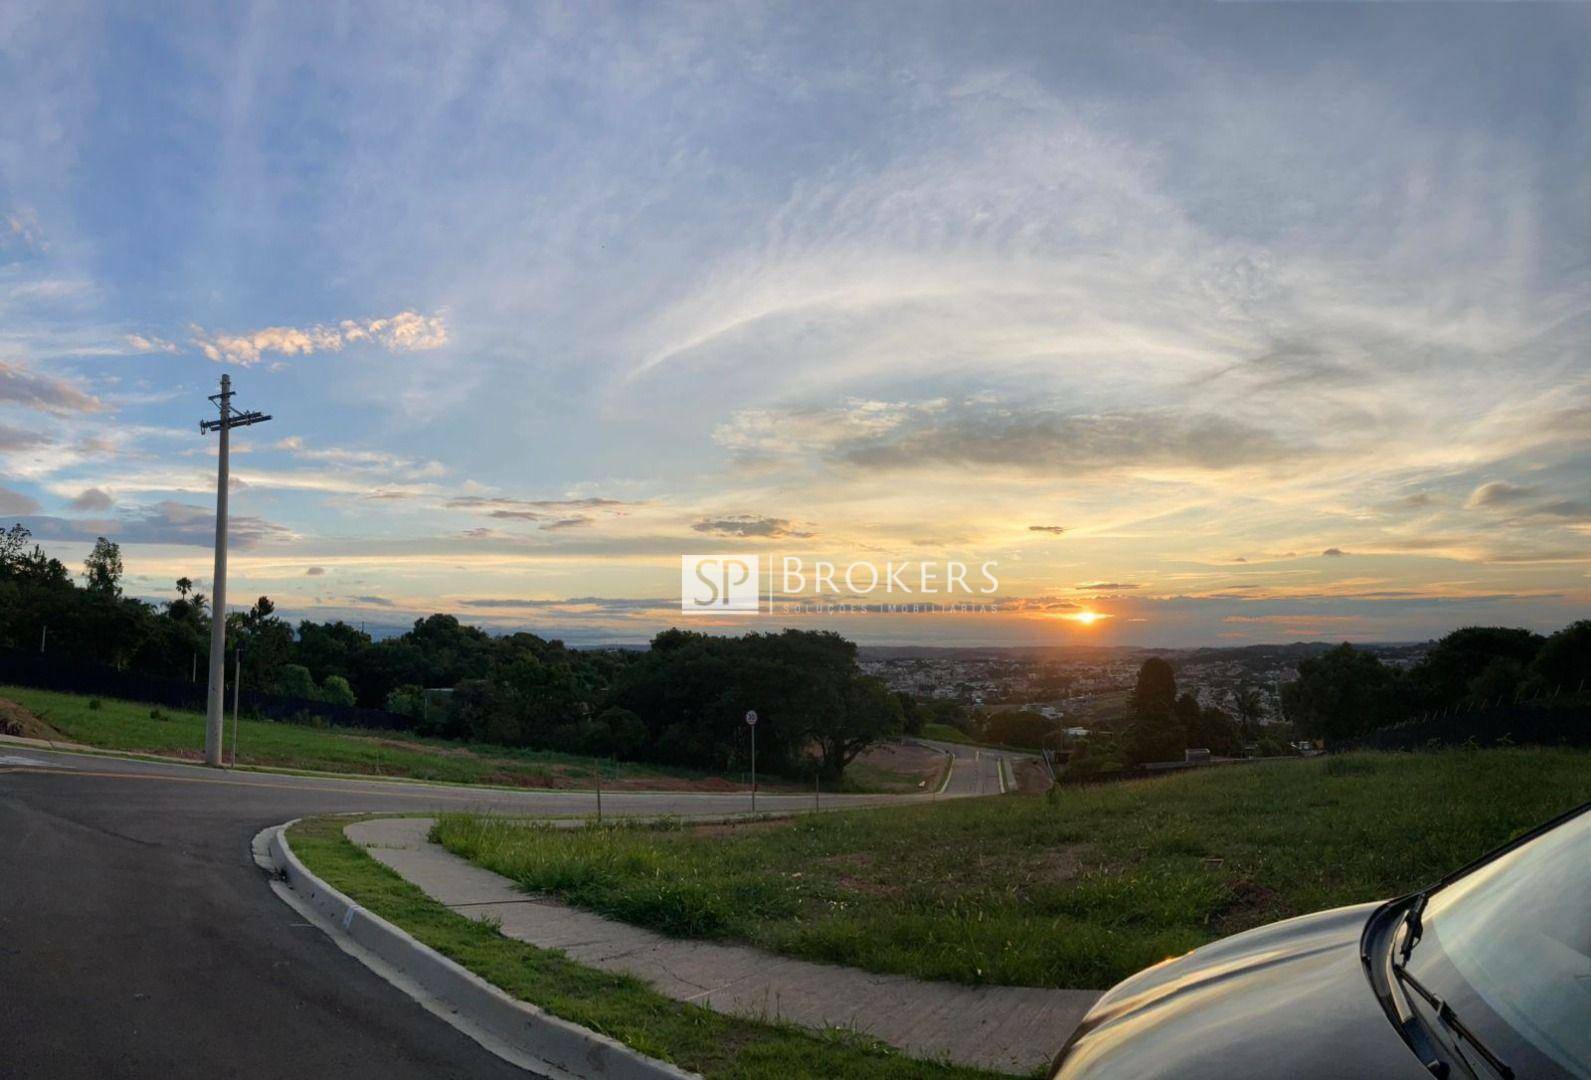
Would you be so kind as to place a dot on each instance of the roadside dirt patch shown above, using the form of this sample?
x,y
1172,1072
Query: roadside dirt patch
x,y
15,720
1031,775
900,765
737,828
848,874
1059,865
1252,905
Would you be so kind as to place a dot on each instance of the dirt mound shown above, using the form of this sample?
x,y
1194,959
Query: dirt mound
x,y
15,720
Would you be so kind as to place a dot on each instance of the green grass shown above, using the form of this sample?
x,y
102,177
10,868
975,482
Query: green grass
x,y
138,727
1079,888
621,1007
946,733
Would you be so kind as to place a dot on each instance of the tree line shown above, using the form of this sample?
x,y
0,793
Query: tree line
x,y
1346,693
681,702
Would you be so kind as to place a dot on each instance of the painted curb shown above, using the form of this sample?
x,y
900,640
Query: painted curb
x,y
552,1045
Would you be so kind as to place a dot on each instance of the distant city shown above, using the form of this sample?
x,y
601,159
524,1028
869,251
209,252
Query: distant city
x,y
1085,688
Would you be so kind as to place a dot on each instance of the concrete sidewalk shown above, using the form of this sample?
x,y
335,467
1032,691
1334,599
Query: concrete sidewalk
x,y
1015,1029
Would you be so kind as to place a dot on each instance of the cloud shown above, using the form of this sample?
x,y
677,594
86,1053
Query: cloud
x,y
487,503
22,386
1334,553
140,343
371,601
20,234
980,433
749,525
13,439
162,523
1498,493
567,523
408,331
617,604
315,571
91,500
1056,530
15,502
1109,586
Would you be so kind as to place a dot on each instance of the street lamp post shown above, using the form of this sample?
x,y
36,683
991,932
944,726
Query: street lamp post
x,y
215,710
751,722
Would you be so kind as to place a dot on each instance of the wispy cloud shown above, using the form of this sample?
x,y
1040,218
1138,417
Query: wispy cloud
x,y
33,389
407,331
161,523
751,526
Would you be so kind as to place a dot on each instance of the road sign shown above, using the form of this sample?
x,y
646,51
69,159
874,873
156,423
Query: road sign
x,y
751,717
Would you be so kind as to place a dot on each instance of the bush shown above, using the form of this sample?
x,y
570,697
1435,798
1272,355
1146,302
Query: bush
x,y
336,691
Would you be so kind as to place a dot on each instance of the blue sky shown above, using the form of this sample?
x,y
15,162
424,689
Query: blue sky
x,y
543,297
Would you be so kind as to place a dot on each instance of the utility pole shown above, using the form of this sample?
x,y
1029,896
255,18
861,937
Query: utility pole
x,y
215,712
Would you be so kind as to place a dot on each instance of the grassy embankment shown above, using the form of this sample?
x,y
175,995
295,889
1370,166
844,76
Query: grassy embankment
x,y
946,733
690,1036
1075,890
137,727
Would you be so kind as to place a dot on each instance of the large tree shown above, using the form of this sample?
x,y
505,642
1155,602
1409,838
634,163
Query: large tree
x,y
1341,693
102,570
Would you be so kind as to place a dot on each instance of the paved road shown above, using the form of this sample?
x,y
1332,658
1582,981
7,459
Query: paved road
x,y
106,970
978,771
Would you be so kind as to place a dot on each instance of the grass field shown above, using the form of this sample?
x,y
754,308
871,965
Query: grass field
x,y
137,727
141,728
1077,889
714,1045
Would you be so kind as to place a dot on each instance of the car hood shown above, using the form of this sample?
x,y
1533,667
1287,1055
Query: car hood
x,y
1289,999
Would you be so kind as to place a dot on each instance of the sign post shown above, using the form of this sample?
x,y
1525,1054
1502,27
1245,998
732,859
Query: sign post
x,y
751,722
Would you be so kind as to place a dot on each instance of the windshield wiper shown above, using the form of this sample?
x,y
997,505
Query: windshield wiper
x,y
1445,1013
1412,925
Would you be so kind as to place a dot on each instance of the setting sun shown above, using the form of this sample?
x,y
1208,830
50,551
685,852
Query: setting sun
x,y
1085,618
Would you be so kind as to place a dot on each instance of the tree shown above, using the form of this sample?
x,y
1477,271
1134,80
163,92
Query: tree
x,y
1154,733
336,691
294,681
103,570
1155,691
1250,707
867,712
1341,693
1564,662
13,549
184,587
1442,679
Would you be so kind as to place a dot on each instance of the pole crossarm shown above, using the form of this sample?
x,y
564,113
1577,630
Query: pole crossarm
x,y
233,420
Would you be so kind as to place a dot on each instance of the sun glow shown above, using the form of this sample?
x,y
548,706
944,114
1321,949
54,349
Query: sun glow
x,y
1085,617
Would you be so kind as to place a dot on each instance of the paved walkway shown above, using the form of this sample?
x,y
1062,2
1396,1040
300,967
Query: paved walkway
x,y
1012,1028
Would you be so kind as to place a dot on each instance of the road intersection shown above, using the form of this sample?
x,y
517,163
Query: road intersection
x,y
137,937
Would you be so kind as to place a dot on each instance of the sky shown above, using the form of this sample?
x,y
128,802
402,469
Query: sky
x,y
1228,324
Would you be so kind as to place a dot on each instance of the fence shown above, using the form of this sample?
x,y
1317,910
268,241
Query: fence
x,y
1561,722
70,674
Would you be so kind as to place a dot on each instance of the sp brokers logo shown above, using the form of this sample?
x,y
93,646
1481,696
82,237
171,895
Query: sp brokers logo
x,y
719,584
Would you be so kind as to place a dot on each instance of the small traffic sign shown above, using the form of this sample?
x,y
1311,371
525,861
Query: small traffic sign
x,y
751,717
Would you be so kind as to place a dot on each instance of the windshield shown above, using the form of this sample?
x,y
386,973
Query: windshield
x,y
1509,946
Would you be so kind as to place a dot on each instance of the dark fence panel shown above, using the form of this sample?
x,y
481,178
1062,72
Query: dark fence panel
x,y
54,671
1565,722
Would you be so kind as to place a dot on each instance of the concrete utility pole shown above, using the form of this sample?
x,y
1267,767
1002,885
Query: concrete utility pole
x,y
215,711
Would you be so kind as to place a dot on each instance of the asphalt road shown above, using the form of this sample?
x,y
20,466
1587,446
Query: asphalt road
x,y
977,771
138,938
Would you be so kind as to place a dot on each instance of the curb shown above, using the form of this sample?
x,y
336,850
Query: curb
x,y
517,1031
